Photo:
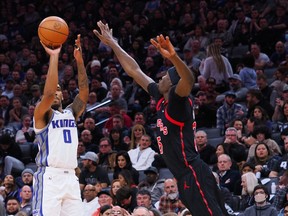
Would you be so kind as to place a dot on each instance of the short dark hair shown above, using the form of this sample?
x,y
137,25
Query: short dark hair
x,y
263,187
123,193
144,192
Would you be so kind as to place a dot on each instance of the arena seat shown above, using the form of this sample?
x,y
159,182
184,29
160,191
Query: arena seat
x,y
215,141
212,132
165,173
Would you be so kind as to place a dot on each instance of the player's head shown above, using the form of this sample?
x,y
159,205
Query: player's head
x,y
168,80
57,103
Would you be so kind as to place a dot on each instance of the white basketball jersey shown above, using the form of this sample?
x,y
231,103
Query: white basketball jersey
x,y
58,141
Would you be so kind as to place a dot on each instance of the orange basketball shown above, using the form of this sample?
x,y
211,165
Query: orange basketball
x,y
53,31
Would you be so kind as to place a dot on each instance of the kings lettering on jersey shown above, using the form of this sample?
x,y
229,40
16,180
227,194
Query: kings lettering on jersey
x,y
61,123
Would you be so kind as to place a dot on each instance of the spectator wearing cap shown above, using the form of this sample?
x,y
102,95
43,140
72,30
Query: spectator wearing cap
x,y
228,112
152,183
8,88
104,198
95,69
247,73
91,172
235,85
26,178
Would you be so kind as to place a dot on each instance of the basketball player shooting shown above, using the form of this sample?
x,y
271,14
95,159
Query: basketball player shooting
x,y
175,125
56,188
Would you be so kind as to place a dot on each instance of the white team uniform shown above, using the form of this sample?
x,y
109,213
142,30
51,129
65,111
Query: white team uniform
x,y
56,188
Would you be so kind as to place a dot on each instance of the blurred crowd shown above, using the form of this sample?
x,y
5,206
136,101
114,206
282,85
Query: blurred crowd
x,y
237,51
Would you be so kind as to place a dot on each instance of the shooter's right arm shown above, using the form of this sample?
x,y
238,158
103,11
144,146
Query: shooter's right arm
x,y
127,62
43,108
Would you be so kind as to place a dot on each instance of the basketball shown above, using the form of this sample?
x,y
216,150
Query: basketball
x,y
53,31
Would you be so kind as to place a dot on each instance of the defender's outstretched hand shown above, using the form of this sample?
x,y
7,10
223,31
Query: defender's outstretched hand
x,y
106,35
164,46
51,51
78,49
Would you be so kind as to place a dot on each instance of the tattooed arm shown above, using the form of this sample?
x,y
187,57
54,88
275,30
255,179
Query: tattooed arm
x,y
80,101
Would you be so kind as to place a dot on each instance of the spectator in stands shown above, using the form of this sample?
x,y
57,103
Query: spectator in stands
x,y
237,26
281,166
11,190
281,115
170,201
126,179
92,173
10,153
222,32
5,108
143,198
26,200
205,112
229,111
8,89
90,201
279,55
269,94
17,92
123,162
106,155
89,124
36,94
249,181
261,59
137,132
263,159
149,112
236,150
142,156
192,62
197,52
153,184
116,139
105,210
126,198
86,138
12,206
227,176
261,206
260,114
210,90
284,210
17,112
247,167
81,150
96,86
115,185
255,98
104,198
206,151
218,67
247,73
235,85
26,133
26,178
279,83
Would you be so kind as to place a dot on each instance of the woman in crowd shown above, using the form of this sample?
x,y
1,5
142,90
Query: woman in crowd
x,y
262,134
263,160
260,114
249,181
218,67
136,134
115,185
123,162
247,167
116,138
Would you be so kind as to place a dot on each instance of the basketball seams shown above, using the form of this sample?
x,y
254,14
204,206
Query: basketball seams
x,y
41,27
